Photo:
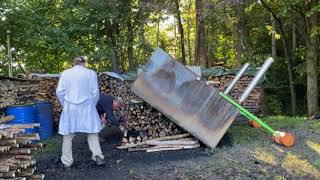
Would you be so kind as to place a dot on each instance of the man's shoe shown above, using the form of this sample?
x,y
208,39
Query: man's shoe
x,y
66,168
100,162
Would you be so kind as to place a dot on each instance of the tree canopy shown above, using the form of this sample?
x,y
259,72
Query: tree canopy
x,y
120,35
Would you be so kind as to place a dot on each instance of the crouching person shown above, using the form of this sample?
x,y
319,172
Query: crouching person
x,y
106,105
78,93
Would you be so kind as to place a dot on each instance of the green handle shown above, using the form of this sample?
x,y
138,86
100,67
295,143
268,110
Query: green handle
x,y
248,114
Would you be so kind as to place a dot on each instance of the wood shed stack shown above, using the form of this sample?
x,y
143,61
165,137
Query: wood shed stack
x,y
142,122
47,92
16,161
254,103
17,91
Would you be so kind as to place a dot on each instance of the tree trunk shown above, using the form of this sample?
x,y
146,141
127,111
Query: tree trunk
x,y
113,44
188,33
130,45
294,42
273,39
209,50
311,62
289,62
122,61
237,44
242,25
241,35
291,78
158,31
175,36
181,32
200,50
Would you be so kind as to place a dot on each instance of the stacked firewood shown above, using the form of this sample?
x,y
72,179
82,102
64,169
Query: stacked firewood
x,y
177,142
253,103
16,161
142,122
116,87
47,92
17,91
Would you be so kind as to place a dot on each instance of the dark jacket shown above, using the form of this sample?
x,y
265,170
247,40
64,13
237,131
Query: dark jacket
x,y
104,105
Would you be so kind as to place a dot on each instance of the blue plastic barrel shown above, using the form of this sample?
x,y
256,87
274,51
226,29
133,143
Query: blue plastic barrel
x,y
44,116
24,114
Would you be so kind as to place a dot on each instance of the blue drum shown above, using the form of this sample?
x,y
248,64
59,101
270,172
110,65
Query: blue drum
x,y
24,114
44,116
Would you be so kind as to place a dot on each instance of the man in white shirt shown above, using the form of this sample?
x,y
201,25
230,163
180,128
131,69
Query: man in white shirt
x,y
78,93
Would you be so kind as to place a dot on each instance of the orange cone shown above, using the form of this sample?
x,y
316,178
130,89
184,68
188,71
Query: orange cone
x,y
284,138
254,124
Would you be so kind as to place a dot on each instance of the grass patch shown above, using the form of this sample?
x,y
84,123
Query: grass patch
x,y
255,156
242,134
298,166
49,146
284,121
245,134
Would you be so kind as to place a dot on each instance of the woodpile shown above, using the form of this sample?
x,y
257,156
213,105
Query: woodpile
x,y
115,87
47,92
14,91
142,122
254,101
16,161
176,142
3,117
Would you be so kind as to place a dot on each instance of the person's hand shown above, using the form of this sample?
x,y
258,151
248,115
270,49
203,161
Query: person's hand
x,y
103,120
121,128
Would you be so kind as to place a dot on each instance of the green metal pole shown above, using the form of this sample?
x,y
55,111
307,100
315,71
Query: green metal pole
x,y
247,114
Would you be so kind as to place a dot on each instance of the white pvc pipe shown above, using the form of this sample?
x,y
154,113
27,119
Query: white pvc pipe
x,y
256,79
236,79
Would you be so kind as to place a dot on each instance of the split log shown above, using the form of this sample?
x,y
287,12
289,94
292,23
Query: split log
x,y
10,174
4,148
27,172
4,169
6,119
21,157
31,136
7,142
164,146
17,178
156,139
3,133
37,177
164,149
19,151
37,145
24,126
179,142
22,140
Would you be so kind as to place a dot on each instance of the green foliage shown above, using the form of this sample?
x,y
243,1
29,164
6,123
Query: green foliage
x,y
274,105
48,34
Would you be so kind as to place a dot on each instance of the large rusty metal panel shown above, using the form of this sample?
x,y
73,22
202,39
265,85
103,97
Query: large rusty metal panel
x,y
175,91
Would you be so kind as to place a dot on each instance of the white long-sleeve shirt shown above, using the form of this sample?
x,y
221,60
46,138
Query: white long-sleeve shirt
x,y
78,93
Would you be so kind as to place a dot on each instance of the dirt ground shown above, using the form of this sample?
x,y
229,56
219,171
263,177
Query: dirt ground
x,y
245,153
121,164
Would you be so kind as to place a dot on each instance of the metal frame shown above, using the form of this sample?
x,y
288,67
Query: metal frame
x,y
247,92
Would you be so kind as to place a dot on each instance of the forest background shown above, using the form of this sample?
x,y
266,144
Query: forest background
x,y
120,35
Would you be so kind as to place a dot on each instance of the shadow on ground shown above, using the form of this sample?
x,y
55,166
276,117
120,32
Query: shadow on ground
x,y
121,164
